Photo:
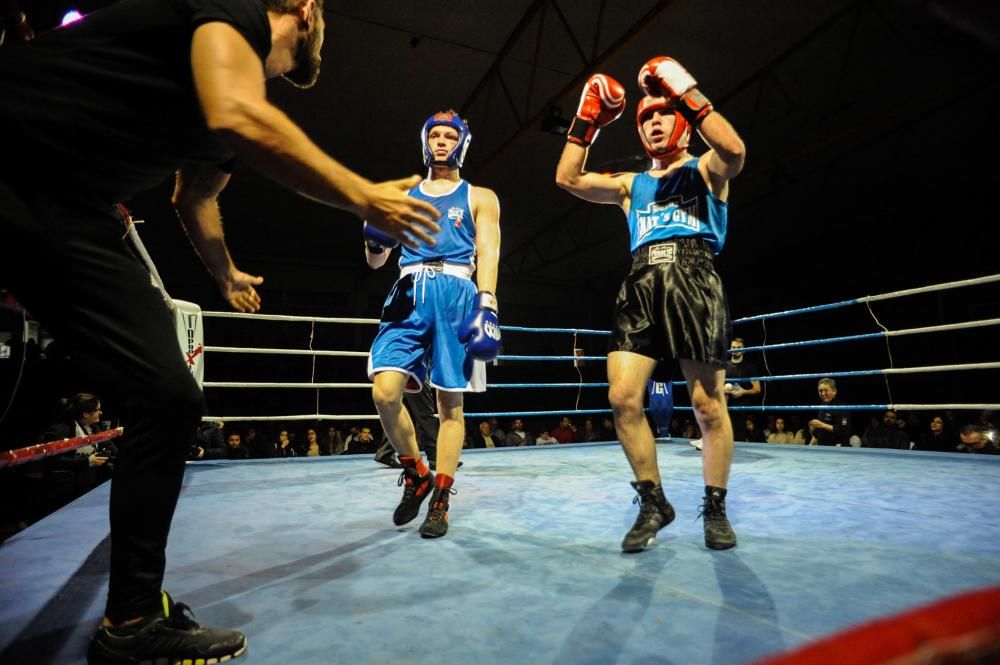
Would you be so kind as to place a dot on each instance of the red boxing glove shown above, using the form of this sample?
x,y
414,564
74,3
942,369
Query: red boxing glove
x,y
665,77
601,102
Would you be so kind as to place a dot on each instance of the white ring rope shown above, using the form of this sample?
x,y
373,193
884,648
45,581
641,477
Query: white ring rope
x,y
866,299
284,317
517,414
884,333
779,377
286,352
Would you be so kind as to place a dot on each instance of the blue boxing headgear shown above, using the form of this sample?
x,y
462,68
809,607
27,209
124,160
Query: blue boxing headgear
x,y
457,155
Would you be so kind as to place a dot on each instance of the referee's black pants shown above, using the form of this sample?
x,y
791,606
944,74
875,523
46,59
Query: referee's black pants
x,y
67,262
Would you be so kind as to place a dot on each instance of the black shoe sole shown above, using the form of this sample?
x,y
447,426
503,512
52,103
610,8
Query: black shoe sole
x,y
96,656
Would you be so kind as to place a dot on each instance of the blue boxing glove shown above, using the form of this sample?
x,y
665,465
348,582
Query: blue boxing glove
x,y
377,241
481,330
661,405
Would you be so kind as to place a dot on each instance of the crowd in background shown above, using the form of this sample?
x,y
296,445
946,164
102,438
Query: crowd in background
x,y
35,489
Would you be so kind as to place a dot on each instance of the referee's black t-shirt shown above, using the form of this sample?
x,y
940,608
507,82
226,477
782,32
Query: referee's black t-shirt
x,y
107,104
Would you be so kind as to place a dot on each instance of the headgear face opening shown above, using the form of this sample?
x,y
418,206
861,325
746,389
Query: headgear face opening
x,y
457,154
680,136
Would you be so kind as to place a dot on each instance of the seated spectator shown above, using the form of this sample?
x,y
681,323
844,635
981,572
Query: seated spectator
x,y
937,437
80,416
830,427
780,435
750,433
482,438
690,430
332,442
352,437
517,436
235,448
499,436
608,429
257,446
74,472
886,434
284,447
363,444
565,432
590,433
310,447
978,441
208,441
544,438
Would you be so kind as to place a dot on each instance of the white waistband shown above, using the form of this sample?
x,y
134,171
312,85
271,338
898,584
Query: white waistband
x,y
453,269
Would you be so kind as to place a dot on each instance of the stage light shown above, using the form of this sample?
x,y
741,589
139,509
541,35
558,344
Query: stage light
x,y
70,16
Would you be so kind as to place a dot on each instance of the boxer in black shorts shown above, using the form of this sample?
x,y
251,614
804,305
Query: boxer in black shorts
x,y
671,309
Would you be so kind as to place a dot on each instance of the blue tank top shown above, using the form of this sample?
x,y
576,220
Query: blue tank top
x,y
456,241
678,205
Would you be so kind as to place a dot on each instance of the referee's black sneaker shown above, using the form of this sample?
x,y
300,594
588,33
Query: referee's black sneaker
x,y
719,534
171,637
655,512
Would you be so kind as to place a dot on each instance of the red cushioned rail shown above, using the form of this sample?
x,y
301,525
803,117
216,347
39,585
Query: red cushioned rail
x,y
963,629
37,452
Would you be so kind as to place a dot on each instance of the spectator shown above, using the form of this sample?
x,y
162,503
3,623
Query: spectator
x,y
590,433
689,430
80,416
257,446
608,429
284,447
830,427
978,441
363,443
235,448
208,441
565,432
886,434
332,443
77,471
517,436
499,436
311,446
750,432
780,435
938,437
352,437
544,439
483,438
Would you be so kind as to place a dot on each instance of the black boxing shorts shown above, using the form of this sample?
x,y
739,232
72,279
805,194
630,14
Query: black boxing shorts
x,y
672,306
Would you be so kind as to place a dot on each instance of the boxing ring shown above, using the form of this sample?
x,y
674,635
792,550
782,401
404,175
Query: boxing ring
x,y
301,554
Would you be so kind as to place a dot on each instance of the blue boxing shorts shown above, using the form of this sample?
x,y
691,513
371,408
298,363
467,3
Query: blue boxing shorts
x,y
419,330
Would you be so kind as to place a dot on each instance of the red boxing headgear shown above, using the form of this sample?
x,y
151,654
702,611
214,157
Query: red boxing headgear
x,y
679,138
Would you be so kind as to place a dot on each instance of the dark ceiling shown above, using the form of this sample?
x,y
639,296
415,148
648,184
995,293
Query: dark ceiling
x,y
872,141
870,131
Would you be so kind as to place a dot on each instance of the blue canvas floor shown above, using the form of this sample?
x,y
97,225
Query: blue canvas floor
x,y
302,555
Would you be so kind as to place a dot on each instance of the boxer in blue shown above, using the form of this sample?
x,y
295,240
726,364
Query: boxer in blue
x,y
671,309
437,320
